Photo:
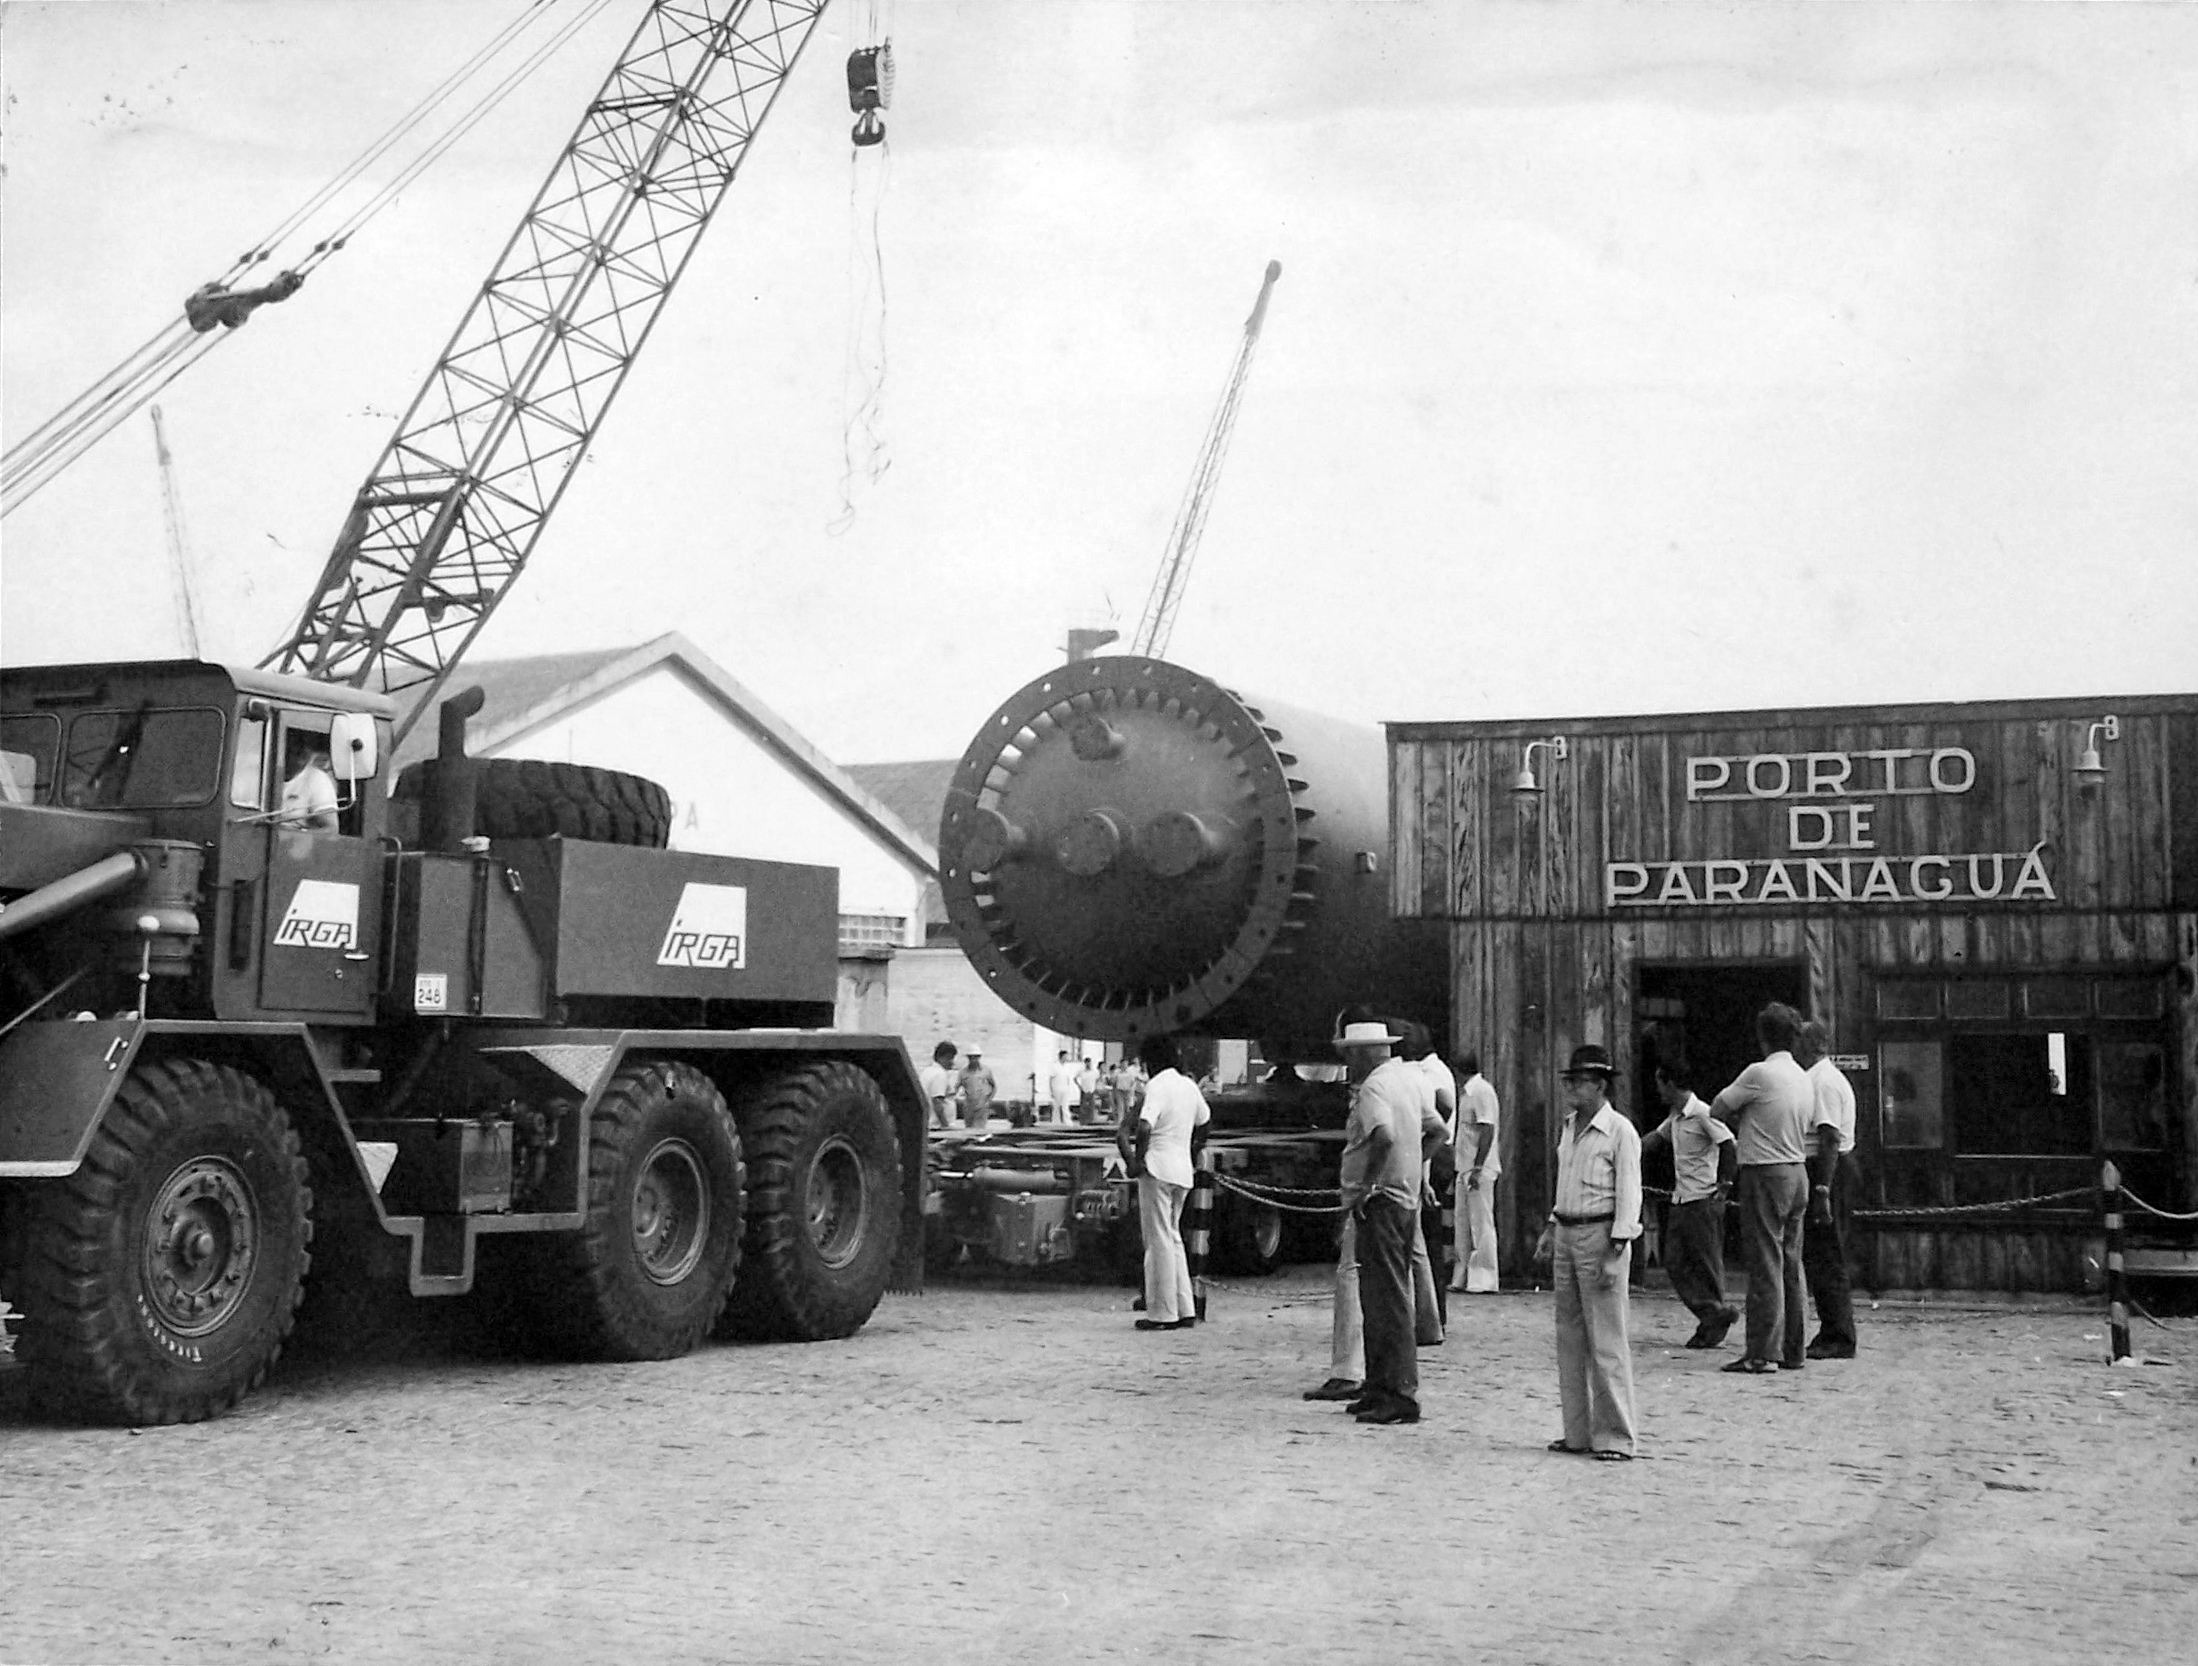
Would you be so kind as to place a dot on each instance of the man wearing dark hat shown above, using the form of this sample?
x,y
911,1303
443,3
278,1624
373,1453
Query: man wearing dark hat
x,y
1590,1237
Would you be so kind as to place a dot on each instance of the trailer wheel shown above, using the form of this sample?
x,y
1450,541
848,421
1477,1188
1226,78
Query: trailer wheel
x,y
824,1206
532,798
1248,1236
159,1281
647,1275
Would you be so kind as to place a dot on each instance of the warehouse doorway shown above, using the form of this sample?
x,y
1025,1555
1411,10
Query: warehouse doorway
x,y
1706,1015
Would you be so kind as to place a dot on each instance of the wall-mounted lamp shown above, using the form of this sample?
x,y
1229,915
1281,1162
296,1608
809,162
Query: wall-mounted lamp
x,y
1523,785
2090,767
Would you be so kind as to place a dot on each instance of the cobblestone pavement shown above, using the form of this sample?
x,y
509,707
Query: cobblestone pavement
x,y
1013,1473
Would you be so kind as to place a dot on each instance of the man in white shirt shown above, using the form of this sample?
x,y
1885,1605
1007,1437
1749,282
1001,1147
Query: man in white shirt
x,y
1590,1233
309,801
939,1085
1171,1128
1479,1164
1087,1092
1420,1129
1831,1195
1704,1161
1770,1105
1061,1088
1382,1179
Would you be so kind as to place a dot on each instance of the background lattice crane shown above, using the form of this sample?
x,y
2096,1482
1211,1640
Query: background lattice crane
x,y
1158,623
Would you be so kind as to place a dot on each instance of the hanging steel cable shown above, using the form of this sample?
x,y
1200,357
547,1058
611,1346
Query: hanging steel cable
x,y
214,309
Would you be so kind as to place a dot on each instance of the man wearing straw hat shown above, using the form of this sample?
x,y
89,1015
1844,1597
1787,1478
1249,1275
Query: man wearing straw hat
x,y
1383,1148
1590,1242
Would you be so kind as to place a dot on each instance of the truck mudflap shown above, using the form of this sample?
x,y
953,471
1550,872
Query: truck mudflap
x,y
56,1081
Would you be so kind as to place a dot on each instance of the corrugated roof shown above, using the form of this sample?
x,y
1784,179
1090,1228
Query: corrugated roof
x,y
915,790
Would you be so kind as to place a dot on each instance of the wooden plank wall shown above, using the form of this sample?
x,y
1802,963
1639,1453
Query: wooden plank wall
x,y
1540,964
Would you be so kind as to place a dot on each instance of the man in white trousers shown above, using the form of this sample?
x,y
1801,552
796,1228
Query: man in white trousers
x,y
1171,1127
1479,1163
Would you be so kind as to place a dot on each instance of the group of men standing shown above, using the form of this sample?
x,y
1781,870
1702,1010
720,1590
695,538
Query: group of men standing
x,y
1781,1138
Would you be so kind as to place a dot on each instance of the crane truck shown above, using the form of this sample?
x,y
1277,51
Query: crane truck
x,y
264,1004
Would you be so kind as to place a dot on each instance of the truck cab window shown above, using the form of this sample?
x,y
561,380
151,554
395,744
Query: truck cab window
x,y
29,749
309,798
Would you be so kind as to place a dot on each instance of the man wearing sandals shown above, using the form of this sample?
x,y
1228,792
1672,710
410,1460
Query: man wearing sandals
x,y
1589,1242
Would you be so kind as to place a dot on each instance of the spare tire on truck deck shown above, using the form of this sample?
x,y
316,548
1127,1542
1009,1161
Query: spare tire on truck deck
x,y
531,798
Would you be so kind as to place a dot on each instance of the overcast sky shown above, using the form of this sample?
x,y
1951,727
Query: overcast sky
x,y
1625,359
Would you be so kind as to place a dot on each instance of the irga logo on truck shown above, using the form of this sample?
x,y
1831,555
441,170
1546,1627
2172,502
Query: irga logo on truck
x,y
324,914
709,929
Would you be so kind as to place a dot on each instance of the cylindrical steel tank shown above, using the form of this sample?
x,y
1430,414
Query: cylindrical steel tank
x,y
1129,847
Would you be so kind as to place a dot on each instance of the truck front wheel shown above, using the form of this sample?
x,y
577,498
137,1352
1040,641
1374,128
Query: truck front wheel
x,y
646,1277
160,1280
824,1206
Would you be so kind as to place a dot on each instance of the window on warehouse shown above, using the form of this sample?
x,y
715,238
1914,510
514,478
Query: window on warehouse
x,y
1995,1087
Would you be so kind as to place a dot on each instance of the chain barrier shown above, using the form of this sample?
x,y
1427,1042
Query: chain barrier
x,y
2007,1206
1279,1196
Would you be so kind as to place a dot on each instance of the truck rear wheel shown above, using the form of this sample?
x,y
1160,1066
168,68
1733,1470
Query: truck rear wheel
x,y
824,1206
159,1281
647,1276
1248,1235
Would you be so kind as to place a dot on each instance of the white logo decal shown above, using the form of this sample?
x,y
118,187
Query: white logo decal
x,y
430,991
323,915
709,929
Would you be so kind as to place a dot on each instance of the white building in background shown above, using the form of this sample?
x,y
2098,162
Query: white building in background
x,y
742,781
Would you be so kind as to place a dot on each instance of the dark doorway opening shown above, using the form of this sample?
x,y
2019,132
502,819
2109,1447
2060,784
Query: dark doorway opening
x,y
1706,1015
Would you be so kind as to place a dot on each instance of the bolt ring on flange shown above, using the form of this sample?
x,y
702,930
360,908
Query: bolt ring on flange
x,y
1085,700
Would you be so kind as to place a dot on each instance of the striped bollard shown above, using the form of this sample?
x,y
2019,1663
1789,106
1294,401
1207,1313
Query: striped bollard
x,y
2117,1285
1198,1236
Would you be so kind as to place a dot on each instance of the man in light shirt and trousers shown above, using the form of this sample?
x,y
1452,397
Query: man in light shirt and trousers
x,y
1770,1106
1590,1237
1384,1150
1346,1378
1479,1164
1832,1173
1171,1128
1703,1164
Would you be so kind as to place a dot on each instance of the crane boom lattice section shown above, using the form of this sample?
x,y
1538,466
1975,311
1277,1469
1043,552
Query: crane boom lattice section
x,y
451,512
1158,621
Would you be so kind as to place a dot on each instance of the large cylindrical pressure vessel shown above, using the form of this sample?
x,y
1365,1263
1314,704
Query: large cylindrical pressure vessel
x,y
1129,847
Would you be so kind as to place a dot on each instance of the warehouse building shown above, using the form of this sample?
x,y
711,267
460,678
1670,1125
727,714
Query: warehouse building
x,y
1993,906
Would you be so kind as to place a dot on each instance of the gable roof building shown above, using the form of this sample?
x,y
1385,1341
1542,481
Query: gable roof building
x,y
743,781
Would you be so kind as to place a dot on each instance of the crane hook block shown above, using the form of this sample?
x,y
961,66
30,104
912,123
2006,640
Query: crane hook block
x,y
211,304
869,90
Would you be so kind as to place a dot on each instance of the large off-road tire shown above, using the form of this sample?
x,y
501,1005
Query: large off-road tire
x,y
529,798
1249,1237
159,1281
824,1206
646,1276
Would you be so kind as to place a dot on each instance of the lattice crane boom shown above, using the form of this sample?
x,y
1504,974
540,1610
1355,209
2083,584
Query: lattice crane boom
x,y
1158,622
449,515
